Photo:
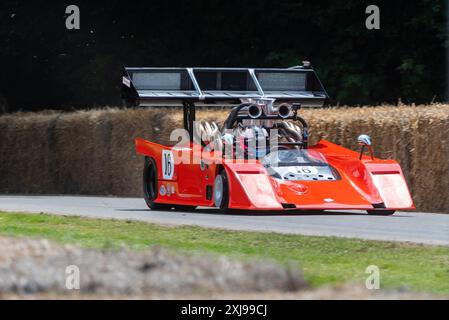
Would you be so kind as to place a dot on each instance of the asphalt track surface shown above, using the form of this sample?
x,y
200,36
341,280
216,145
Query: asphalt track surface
x,y
414,227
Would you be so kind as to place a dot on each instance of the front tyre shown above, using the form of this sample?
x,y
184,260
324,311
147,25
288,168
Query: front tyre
x,y
381,212
221,191
150,186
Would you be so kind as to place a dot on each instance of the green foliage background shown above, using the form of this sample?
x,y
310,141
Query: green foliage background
x,y
46,66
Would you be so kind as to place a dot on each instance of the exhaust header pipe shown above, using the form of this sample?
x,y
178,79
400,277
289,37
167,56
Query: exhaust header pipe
x,y
284,110
255,111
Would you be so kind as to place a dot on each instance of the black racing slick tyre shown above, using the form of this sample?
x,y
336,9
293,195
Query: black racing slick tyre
x,y
150,187
221,192
381,212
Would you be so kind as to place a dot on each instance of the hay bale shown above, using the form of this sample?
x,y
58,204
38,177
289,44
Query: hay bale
x,y
125,164
430,170
25,148
80,152
92,152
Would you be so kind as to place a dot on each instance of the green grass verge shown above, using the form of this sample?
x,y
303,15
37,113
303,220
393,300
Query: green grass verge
x,y
325,260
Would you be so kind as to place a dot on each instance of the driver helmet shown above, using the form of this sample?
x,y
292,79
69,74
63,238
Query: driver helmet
x,y
253,141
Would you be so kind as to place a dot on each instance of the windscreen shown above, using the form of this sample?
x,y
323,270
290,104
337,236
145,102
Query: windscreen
x,y
293,157
299,165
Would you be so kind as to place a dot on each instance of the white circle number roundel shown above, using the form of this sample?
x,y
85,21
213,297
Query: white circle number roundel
x,y
307,170
168,165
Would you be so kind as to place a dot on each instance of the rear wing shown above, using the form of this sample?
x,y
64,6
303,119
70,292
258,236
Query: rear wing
x,y
220,86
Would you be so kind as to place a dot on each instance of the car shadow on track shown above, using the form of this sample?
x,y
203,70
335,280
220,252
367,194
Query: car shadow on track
x,y
278,213
213,211
305,213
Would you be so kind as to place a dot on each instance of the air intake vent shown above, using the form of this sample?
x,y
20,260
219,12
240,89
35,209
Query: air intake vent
x,y
289,206
208,192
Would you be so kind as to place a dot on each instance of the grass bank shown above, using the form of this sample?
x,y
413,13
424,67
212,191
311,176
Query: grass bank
x,y
325,260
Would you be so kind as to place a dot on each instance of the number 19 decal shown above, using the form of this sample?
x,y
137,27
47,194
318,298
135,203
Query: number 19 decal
x,y
167,164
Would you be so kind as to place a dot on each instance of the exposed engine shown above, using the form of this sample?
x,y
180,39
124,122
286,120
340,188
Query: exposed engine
x,y
269,134
255,128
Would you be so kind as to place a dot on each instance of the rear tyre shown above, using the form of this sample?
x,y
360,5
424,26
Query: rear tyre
x,y
381,212
221,192
150,187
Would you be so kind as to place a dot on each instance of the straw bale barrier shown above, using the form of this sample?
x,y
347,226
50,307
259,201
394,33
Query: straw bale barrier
x,y
92,152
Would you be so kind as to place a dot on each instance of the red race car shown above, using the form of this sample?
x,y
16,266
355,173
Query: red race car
x,y
260,160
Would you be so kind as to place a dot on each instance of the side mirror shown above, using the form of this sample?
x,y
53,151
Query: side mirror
x,y
365,142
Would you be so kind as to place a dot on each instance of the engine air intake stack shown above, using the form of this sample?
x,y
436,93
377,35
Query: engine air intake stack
x,y
255,111
284,110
